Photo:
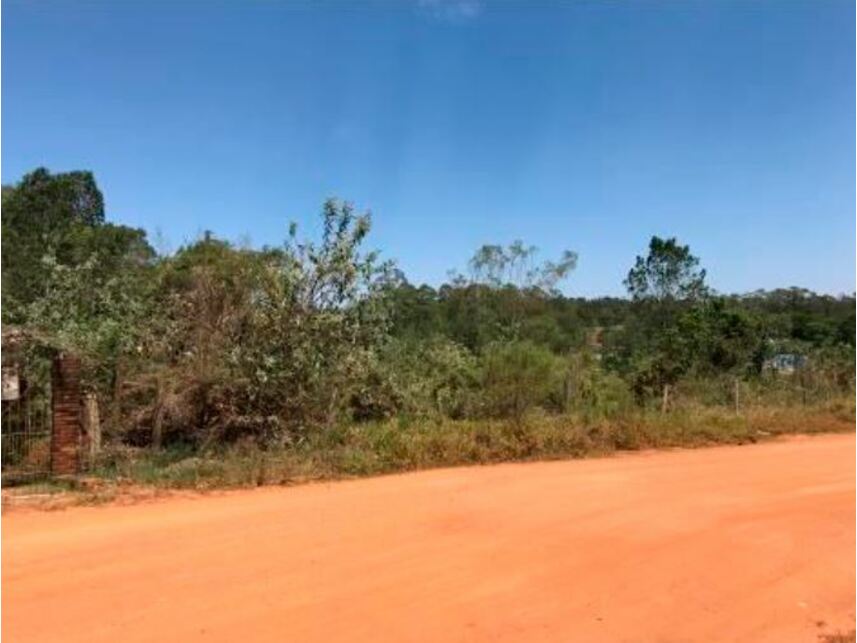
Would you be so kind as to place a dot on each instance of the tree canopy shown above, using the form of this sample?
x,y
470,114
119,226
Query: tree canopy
x,y
58,220
668,272
217,342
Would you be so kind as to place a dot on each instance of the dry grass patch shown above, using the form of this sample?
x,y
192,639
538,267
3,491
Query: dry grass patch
x,y
402,445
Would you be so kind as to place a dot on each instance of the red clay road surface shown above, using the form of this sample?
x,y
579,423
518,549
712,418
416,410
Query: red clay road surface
x,y
752,543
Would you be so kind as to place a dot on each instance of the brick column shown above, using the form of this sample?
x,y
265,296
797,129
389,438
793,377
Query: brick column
x,y
65,408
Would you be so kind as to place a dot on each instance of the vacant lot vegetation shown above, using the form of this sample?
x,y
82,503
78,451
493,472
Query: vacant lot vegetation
x,y
226,365
397,445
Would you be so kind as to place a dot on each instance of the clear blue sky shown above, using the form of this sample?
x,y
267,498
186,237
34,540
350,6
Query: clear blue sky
x,y
589,125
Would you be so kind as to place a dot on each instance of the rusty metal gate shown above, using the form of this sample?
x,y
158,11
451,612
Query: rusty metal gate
x,y
25,429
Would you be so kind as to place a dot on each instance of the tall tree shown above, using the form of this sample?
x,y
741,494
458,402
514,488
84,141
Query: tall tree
x,y
58,220
662,284
668,273
515,265
503,287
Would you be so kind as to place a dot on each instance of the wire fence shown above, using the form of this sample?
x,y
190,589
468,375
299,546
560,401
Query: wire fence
x,y
25,438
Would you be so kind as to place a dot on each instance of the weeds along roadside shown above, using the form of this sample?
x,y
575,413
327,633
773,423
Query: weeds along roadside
x,y
398,445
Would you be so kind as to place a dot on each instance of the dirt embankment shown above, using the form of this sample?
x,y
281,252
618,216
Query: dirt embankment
x,y
751,543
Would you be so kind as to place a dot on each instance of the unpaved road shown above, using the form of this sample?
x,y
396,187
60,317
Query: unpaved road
x,y
752,543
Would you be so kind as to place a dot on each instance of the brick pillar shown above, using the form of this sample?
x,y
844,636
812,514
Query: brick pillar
x,y
65,408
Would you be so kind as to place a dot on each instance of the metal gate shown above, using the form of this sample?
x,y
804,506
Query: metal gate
x,y
25,429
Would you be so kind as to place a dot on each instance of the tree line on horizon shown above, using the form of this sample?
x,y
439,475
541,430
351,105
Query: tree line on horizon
x,y
216,342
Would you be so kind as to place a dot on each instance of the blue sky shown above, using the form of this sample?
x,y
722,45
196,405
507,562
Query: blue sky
x,y
588,125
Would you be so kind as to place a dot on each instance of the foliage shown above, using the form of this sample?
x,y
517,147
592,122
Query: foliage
x,y
96,312
320,342
270,343
392,445
668,272
496,267
430,378
592,391
58,219
517,376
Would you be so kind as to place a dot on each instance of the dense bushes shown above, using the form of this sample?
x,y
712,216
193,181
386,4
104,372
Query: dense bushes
x,y
270,343
430,378
319,342
516,377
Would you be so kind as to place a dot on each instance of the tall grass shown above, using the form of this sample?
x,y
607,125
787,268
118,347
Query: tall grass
x,y
402,445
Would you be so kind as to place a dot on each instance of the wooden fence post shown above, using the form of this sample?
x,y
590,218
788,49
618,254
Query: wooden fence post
x,y
91,425
568,394
737,396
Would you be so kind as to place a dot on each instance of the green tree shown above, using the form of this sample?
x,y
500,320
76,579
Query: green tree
x,y
271,343
503,287
668,273
100,315
662,285
720,339
515,265
58,219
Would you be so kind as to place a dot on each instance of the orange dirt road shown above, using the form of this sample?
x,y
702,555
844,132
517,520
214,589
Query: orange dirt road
x,y
752,543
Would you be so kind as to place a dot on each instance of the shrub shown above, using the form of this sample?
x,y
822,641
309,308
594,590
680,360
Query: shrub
x,y
592,391
516,377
